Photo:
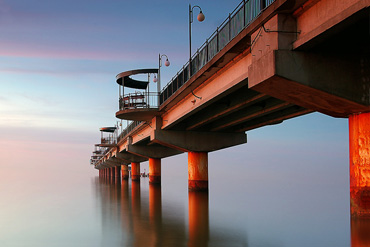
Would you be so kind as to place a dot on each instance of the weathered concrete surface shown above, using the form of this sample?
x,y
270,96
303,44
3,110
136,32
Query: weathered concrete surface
x,y
135,171
331,84
315,19
154,171
125,173
197,141
117,171
152,151
359,147
130,157
198,171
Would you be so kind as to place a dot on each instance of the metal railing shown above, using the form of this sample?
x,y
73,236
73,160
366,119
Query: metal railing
x,y
239,19
138,100
128,129
108,140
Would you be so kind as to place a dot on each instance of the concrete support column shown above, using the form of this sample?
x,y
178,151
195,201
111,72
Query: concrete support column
x,y
359,154
198,171
154,171
135,171
117,171
124,169
112,171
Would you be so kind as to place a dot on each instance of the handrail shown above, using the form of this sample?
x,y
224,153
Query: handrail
x,y
138,100
237,20
127,130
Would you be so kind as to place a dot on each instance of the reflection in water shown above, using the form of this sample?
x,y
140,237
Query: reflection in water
x,y
198,219
360,232
129,218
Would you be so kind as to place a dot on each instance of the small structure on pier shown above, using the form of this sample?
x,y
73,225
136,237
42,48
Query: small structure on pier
x,y
140,105
108,137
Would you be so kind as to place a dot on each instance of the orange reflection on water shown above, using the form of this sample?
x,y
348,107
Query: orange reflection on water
x,y
198,219
360,232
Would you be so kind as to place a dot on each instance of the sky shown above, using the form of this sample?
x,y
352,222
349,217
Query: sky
x,y
58,62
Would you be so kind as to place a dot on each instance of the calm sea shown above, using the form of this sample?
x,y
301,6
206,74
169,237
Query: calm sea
x,y
294,193
238,211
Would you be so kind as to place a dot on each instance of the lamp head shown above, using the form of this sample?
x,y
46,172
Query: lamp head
x,y
167,63
155,79
201,16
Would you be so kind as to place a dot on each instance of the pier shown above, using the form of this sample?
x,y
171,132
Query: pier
x,y
269,61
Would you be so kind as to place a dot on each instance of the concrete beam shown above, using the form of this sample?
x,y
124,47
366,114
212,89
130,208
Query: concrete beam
x,y
242,98
333,84
130,157
119,162
156,152
194,141
112,163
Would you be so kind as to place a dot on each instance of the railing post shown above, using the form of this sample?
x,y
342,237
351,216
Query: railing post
x,y
244,22
217,39
207,51
229,28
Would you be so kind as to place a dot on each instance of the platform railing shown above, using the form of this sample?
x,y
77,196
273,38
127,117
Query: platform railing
x,y
138,100
239,19
127,130
108,140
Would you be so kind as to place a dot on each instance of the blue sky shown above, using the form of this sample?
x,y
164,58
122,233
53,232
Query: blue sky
x,y
59,59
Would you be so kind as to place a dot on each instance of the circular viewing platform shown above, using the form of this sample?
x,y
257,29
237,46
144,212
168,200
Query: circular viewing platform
x,y
141,105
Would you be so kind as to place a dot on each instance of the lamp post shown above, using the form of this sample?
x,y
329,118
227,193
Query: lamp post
x,y
200,18
158,80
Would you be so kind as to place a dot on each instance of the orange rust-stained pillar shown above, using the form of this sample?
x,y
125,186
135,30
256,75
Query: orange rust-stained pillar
x,y
359,153
117,171
112,171
154,171
124,169
135,171
198,171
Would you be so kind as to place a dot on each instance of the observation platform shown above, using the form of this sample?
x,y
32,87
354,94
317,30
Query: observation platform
x,y
141,105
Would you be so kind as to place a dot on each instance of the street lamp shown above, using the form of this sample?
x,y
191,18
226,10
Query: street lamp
x,y
200,18
158,80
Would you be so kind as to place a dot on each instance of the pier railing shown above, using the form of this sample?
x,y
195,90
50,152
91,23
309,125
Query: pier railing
x,y
239,19
127,130
108,140
138,100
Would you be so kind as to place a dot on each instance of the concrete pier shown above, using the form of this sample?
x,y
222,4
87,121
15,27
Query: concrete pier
x,y
135,171
117,171
112,172
198,171
124,169
359,153
154,171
